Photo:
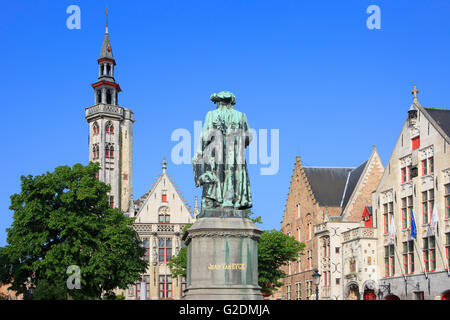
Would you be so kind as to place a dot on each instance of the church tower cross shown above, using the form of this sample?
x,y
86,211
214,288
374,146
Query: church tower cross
x,y
414,92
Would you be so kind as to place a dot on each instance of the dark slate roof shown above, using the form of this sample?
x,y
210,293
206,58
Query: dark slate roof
x,y
351,184
327,184
442,117
105,53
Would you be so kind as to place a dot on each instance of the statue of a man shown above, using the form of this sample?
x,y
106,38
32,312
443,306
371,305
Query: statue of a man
x,y
219,164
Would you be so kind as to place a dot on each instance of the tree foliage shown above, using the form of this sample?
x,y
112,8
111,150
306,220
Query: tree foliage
x,y
178,263
275,249
62,218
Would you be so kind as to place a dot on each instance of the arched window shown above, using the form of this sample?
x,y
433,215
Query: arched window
x,y
109,128
108,69
95,128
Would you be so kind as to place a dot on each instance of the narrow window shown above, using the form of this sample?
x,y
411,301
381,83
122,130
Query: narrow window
x,y
404,214
404,177
447,249
385,218
298,290
429,253
447,201
424,167
146,244
408,257
427,205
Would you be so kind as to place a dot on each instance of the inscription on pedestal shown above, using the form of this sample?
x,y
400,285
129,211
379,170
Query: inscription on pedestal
x,y
232,266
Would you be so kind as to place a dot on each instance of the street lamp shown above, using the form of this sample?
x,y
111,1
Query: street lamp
x,y
316,276
383,288
30,292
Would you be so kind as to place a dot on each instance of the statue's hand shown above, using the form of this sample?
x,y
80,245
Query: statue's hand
x,y
207,177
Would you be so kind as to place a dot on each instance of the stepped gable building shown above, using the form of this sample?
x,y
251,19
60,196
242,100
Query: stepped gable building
x,y
161,215
320,195
111,133
334,260
412,209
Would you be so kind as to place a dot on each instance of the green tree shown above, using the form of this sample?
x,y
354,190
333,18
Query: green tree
x,y
62,218
46,291
178,264
275,249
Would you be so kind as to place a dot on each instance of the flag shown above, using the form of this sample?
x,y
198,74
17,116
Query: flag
x,y
434,221
413,226
392,231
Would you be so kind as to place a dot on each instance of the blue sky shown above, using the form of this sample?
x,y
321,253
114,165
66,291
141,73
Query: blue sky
x,y
311,69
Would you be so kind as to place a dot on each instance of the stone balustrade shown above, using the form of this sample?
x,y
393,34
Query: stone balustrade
x,y
358,233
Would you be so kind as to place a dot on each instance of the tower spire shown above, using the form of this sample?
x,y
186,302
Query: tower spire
x,y
106,13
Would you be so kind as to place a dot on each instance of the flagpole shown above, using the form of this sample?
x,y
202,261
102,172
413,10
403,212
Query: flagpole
x,y
398,259
413,234
423,265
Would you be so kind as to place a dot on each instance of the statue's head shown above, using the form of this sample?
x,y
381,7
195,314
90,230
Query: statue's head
x,y
224,97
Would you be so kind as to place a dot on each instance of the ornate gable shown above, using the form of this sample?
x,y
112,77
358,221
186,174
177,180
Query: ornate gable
x,y
163,203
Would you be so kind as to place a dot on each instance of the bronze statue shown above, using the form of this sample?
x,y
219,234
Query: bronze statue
x,y
219,164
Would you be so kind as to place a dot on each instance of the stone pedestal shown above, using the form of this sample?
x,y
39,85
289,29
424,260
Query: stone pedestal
x,y
222,261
